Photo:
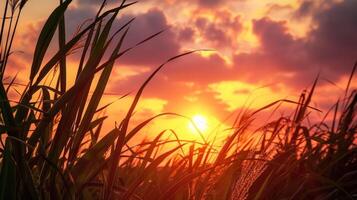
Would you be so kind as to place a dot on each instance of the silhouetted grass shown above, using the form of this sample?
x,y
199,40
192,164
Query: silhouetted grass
x,y
53,146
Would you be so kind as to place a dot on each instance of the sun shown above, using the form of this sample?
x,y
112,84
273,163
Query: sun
x,y
200,122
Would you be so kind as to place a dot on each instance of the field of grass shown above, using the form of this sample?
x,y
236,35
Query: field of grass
x,y
53,145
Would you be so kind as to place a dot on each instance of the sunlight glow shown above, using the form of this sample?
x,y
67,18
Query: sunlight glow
x,y
200,122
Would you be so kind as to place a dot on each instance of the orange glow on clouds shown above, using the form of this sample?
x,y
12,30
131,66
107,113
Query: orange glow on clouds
x,y
260,55
240,94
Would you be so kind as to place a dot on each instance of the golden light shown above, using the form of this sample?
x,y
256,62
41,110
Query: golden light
x,y
200,122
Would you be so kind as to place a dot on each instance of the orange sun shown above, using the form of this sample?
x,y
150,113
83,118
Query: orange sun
x,y
198,122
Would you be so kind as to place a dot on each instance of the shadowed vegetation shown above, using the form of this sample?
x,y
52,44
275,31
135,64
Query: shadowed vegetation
x,y
53,145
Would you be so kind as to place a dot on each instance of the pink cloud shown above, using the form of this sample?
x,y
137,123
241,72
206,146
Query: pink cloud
x,y
281,58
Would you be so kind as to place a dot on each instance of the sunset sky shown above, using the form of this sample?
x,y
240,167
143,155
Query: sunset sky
x,y
262,51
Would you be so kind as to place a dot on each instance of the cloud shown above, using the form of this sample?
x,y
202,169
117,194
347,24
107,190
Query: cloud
x,y
210,3
331,46
187,34
156,50
221,30
182,83
145,24
333,43
305,9
213,4
96,2
282,58
192,72
205,4
276,8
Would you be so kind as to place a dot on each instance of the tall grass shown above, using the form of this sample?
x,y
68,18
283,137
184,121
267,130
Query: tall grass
x,y
45,153
317,161
53,145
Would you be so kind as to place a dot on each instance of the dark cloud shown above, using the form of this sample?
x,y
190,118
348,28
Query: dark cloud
x,y
89,2
186,34
215,3
333,43
75,17
305,9
200,3
212,33
279,55
330,47
145,24
210,3
276,40
96,2
222,31
156,50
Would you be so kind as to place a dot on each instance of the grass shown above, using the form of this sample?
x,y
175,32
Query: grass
x,y
53,145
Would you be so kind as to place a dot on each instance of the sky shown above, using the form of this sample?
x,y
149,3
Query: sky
x,y
261,51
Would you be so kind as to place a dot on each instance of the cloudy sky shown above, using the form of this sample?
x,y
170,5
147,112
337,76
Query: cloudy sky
x,y
262,51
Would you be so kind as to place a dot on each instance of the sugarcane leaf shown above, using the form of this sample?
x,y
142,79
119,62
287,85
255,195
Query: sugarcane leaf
x,y
88,165
46,36
8,174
